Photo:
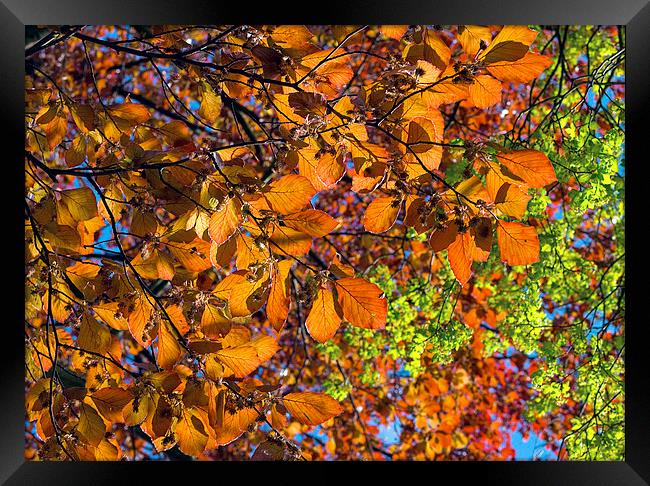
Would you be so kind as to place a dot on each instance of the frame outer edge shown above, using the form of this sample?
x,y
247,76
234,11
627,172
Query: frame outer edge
x,y
637,402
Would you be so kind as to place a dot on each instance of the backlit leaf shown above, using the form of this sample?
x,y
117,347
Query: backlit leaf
x,y
381,214
363,303
518,243
311,408
325,315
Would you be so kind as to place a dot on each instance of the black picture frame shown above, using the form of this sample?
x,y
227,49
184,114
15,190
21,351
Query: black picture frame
x,y
634,14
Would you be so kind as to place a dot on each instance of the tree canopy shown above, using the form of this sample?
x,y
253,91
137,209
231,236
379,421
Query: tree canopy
x,y
324,242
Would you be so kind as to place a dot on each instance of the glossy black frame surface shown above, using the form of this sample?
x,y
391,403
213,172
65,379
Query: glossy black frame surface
x,y
15,14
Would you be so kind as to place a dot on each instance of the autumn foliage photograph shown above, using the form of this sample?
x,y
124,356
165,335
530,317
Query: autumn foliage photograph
x,y
324,242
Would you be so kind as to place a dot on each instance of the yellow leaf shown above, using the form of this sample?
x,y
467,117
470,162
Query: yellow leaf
x,y
84,277
93,336
80,203
83,116
210,109
137,410
91,426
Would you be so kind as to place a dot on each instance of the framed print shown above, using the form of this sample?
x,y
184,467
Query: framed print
x,y
375,233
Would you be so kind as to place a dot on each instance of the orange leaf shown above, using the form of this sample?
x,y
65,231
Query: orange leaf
x,y
277,308
224,221
191,431
470,37
522,70
485,91
311,408
269,451
362,303
328,75
531,165
418,215
440,239
194,255
289,194
311,221
265,346
234,425
224,288
214,322
138,319
393,31
169,350
248,296
423,139
381,214
509,199
510,44
460,254
158,266
111,315
432,49
132,112
518,243
289,241
110,402
482,235
329,169
242,359
325,316
55,131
